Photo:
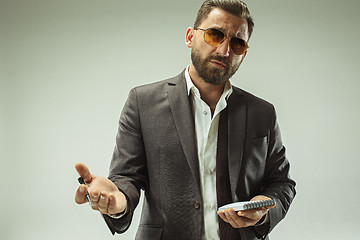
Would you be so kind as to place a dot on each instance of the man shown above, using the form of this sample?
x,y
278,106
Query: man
x,y
195,142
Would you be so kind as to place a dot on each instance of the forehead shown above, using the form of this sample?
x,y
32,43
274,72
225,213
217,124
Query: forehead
x,y
230,24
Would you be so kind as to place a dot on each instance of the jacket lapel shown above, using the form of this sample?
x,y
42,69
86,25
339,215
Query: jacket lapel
x,y
236,138
183,117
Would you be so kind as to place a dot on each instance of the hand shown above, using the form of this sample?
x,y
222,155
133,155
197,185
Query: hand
x,y
104,195
245,218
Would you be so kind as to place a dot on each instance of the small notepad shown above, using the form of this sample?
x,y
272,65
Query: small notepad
x,y
247,205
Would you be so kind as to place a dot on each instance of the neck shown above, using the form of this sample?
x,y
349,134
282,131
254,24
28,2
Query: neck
x,y
209,93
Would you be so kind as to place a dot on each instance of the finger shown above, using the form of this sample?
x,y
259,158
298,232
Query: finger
x,y
117,203
222,216
103,203
244,222
84,172
232,218
255,214
80,194
94,196
238,221
112,204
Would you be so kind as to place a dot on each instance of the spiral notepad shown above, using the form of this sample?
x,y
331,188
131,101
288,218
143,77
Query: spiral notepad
x,y
239,206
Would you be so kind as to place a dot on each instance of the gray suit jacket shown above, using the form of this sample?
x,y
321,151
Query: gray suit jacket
x,y
156,151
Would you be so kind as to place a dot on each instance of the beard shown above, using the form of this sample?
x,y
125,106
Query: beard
x,y
212,75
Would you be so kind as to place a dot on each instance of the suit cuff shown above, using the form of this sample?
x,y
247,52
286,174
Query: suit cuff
x,y
263,220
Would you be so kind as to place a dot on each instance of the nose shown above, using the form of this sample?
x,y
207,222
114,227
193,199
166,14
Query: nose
x,y
224,48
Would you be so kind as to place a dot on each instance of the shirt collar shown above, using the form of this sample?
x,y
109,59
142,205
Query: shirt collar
x,y
190,85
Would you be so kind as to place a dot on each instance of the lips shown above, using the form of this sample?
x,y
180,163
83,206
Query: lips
x,y
218,63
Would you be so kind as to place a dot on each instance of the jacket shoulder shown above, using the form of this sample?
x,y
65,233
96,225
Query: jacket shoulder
x,y
159,86
253,101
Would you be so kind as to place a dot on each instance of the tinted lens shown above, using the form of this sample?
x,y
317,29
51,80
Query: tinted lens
x,y
238,45
213,36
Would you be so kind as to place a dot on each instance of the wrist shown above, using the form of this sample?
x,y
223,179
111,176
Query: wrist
x,y
263,220
118,215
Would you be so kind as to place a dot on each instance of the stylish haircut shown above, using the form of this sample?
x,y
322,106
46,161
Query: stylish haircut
x,y
235,7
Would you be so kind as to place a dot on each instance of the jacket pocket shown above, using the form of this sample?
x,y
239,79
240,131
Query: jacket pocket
x,y
148,232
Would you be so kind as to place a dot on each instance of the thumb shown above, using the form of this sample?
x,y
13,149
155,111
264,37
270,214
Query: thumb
x,y
84,172
271,206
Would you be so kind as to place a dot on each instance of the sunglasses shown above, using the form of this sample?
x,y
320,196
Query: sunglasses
x,y
215,37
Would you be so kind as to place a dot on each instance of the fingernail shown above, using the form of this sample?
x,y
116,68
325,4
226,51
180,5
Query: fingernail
x,y
102,197
81,189
231,213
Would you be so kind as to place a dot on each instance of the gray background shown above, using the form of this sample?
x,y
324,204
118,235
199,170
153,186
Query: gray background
x,y
66,68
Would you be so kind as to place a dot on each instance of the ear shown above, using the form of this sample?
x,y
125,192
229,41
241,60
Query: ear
x,y
189,37
243,56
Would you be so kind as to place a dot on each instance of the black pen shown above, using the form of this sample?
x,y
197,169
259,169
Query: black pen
x,y
81,181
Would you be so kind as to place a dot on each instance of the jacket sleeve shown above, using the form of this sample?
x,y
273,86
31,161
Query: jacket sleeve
x,y
128,165
277,183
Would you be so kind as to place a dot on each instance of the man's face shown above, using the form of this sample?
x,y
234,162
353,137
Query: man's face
x,y
216,64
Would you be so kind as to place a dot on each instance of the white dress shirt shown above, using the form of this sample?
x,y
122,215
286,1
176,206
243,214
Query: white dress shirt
x,y
206,131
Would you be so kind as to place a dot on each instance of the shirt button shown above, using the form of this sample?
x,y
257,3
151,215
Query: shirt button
x,y
196,205
209,172
205,113
209,206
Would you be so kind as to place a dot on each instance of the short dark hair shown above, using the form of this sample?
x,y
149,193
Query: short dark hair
x,y
235,7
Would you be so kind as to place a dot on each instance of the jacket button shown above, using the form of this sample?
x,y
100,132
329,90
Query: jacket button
x,y
196,205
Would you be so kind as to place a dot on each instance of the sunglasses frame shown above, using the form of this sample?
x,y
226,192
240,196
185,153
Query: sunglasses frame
x,y
217,44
